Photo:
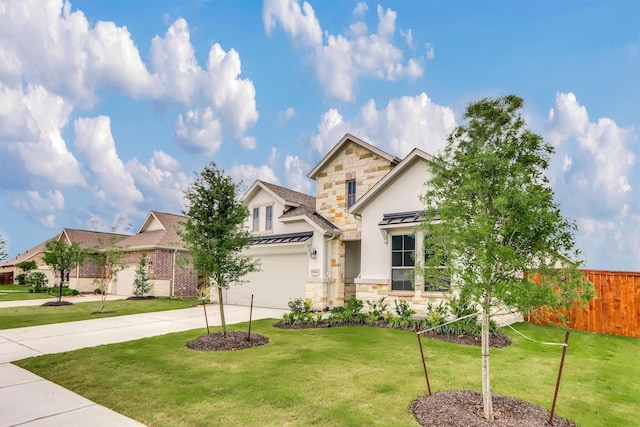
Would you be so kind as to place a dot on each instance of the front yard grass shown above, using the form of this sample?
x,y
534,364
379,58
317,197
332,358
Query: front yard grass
x,y
19,292
343,376
18,317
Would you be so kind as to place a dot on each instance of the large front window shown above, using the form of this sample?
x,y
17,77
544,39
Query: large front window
x,y
403,250
435,278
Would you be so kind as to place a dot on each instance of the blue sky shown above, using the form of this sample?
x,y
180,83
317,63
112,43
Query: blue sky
x,y
108,108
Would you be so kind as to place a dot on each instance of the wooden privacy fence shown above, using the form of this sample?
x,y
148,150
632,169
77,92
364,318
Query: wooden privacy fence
x,y
616,310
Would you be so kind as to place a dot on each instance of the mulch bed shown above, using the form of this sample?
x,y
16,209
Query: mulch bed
x,y
234,340
463,408
56,303
497,340
141,298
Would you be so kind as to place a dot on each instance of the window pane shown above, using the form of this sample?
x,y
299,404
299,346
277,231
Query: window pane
x,y
396,243
256,219
351,193
409,242
396,259
268,218
409,260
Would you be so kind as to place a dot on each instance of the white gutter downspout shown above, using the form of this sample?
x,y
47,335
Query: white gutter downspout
x,y
173,274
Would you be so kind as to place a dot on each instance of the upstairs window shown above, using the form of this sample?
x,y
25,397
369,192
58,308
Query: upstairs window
x,y
403,261
256,219
351,193
268,225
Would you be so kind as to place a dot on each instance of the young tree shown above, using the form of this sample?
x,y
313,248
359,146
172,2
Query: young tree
x,y
3,249
109,261
491,218
141,283
62,258
214,232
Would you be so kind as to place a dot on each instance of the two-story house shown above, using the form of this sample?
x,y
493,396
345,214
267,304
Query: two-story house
x,y
356,237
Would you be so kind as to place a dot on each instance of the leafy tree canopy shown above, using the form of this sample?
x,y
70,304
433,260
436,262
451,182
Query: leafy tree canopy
x,y
62,258
492,223
27,265
214,231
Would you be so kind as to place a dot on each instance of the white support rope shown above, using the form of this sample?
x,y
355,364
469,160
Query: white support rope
x,y
448,323
538,342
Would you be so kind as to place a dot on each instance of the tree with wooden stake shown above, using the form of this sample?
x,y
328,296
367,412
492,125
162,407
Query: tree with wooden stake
x,y
491,217
214,232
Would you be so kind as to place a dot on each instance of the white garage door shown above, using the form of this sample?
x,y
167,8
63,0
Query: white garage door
x,y
123,285
283,277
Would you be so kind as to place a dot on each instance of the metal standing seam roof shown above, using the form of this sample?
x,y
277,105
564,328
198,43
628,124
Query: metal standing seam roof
x,y
283,238
400,218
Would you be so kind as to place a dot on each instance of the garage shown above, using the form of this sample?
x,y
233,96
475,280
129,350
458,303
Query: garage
x,y
123,285
283,277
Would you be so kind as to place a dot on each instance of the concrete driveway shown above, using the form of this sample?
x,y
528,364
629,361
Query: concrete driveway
x,y
29,400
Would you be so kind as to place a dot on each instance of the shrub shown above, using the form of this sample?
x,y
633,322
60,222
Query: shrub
x,y
377,310
404,318
300,312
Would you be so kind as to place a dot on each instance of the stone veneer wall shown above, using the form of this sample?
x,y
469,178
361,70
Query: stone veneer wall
x,y
367,168
418,299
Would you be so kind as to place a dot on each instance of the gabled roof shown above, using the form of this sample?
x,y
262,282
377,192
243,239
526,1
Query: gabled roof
x,y
27,255
286,196
87,239
159,229
415,155
298,205
340,145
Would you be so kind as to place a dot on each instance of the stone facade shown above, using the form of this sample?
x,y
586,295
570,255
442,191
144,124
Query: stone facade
x,y
366,168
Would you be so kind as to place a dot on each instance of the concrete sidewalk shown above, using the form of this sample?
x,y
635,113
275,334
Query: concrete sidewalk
x,y
28,400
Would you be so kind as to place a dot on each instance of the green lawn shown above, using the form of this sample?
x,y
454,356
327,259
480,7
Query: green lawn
x,y
343,376
17,317
18,292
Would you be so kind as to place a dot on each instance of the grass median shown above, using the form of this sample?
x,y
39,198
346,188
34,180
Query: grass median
x,y
19,292
356,376
18,317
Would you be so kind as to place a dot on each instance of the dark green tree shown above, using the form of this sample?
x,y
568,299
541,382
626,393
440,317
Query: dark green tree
x,y
492,223
214,232
141,283
62,258
27,267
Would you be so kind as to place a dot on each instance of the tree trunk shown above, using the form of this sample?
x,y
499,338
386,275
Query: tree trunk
x,y
223,323
61,284
486,379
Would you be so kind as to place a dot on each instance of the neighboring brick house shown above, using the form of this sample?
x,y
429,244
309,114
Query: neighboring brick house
x,y
157,238
359,233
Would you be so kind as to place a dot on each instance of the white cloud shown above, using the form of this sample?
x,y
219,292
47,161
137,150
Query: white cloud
x,y
199,130
296,174
431,53
300,23
162,181
285,116
405,123
360,9
111,183
592,174
344,59
273,155
599,153
72,59
248,142
41,207
30,138
245,174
